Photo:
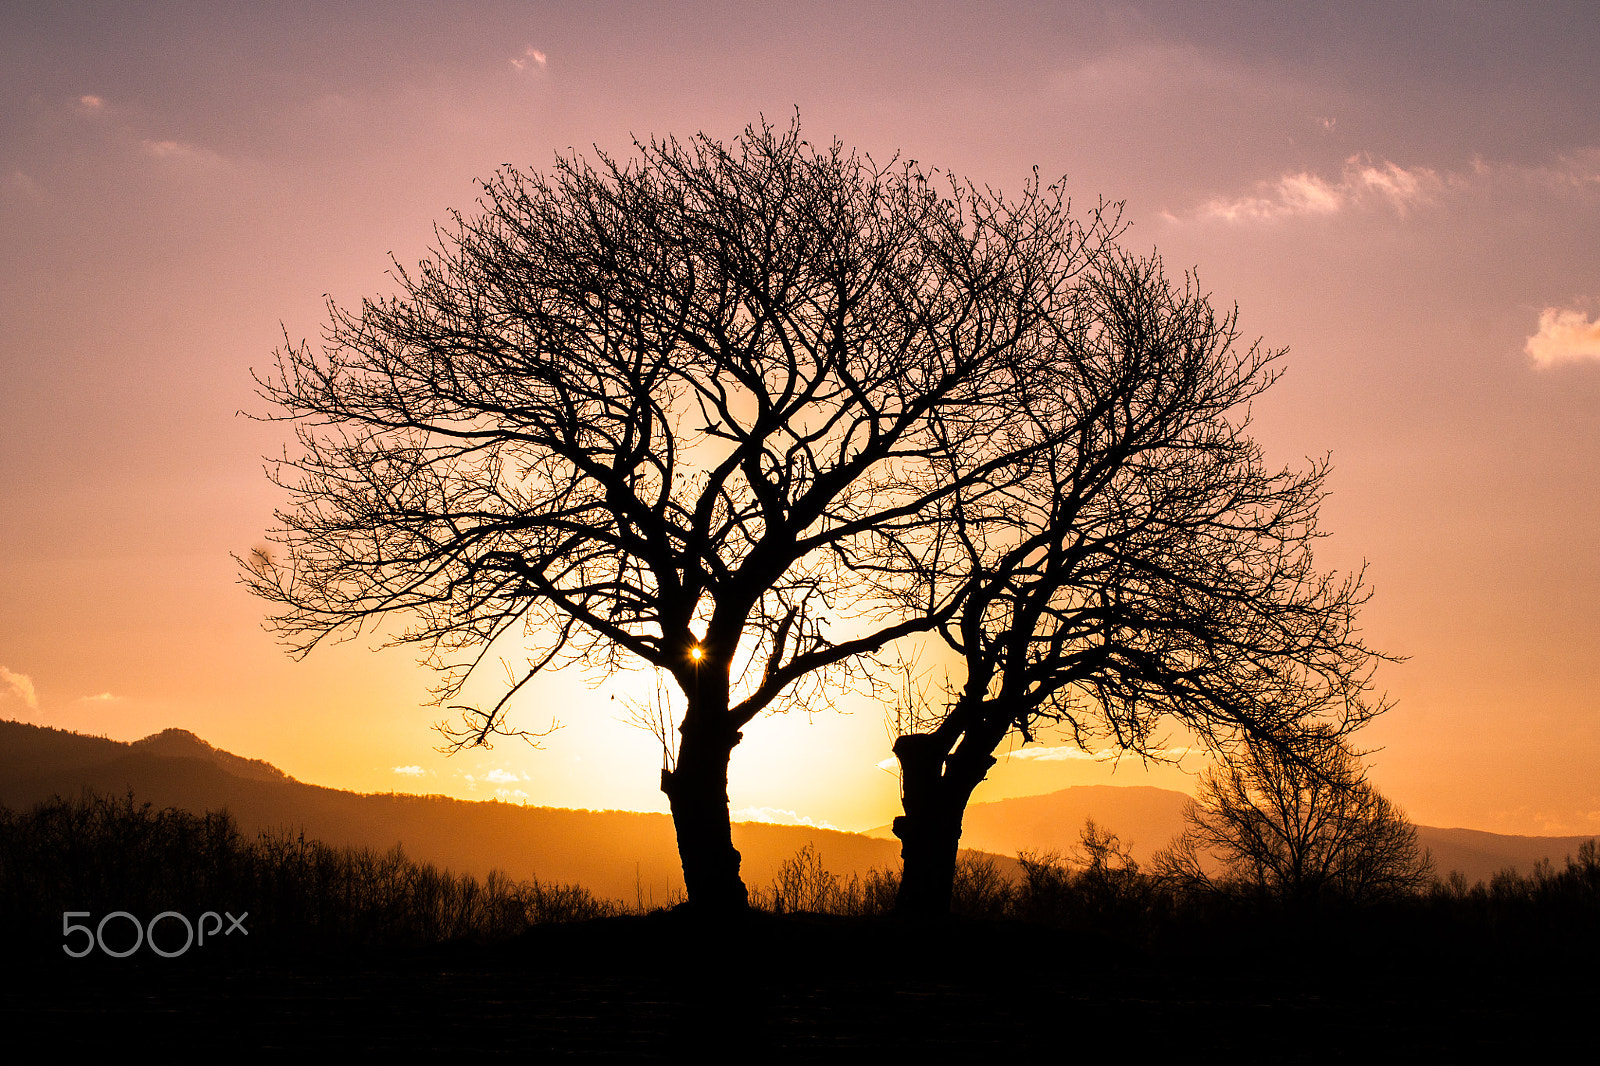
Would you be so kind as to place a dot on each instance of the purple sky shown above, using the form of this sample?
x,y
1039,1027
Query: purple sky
x,y
1410,202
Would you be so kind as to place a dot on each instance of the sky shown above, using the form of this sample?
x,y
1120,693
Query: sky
x,y
1405,197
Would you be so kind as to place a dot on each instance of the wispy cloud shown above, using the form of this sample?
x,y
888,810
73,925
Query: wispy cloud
x,y
21,184
103,697
410,771
1578,169
1363,183
182,152
1068,752
91,104
1565,336
1064,753
531,57
503,777
1546,822
1057,753
777,816
1300,194
22,685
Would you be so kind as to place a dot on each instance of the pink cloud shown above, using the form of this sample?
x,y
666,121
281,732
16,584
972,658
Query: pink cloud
x,y
22,685
1565,336
531,57
1303,194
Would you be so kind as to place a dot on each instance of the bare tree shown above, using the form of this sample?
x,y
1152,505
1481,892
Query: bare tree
x,y
1147,566
1296,829
660,412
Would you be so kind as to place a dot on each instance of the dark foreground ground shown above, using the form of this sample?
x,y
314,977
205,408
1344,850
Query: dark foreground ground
x,y
808,988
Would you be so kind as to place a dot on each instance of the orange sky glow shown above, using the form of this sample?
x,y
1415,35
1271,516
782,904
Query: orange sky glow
x,y
1411,206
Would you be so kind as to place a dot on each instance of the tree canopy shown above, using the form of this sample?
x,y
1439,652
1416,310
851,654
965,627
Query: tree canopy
x,y
1146,566
667,411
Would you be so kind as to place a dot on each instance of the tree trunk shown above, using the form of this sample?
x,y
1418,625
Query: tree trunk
x,y
697,790
934,794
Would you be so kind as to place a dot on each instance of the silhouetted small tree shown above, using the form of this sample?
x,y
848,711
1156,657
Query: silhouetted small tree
x,y
1266,824
804,884
664,413
1099,888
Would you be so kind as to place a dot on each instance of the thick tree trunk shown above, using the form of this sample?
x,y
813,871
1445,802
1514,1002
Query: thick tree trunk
x,y
929,842
697,790
935,790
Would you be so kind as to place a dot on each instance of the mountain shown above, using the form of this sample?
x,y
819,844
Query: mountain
x,y
1479,855
617,854
182,744
1146,819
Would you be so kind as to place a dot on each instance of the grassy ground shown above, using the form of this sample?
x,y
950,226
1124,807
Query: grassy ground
x,y
795,987
347,951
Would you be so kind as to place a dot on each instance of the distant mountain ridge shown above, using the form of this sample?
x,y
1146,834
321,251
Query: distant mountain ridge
x,y
182,744
618,854
1146,819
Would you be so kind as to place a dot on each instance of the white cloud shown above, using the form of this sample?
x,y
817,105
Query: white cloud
x,y
1582,167
1401,187
90,103
1565,336
777,816
1066,753
1575,170
410,771
104,697
1307,194
181,152
22,685
1303,193
531,57
1059,753
1364,183
511,794
501,777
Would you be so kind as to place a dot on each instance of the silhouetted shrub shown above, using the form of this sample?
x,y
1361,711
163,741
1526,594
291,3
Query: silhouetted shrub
x,y
1100,890
980,889
1564,901
103,854
804,885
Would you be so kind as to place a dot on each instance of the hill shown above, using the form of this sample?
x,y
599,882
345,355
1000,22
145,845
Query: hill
x,y
1148,818
1144,817
617,854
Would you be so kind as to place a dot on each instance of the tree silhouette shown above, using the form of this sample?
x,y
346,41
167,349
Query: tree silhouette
x,y
1146,566
665,412
1299,830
